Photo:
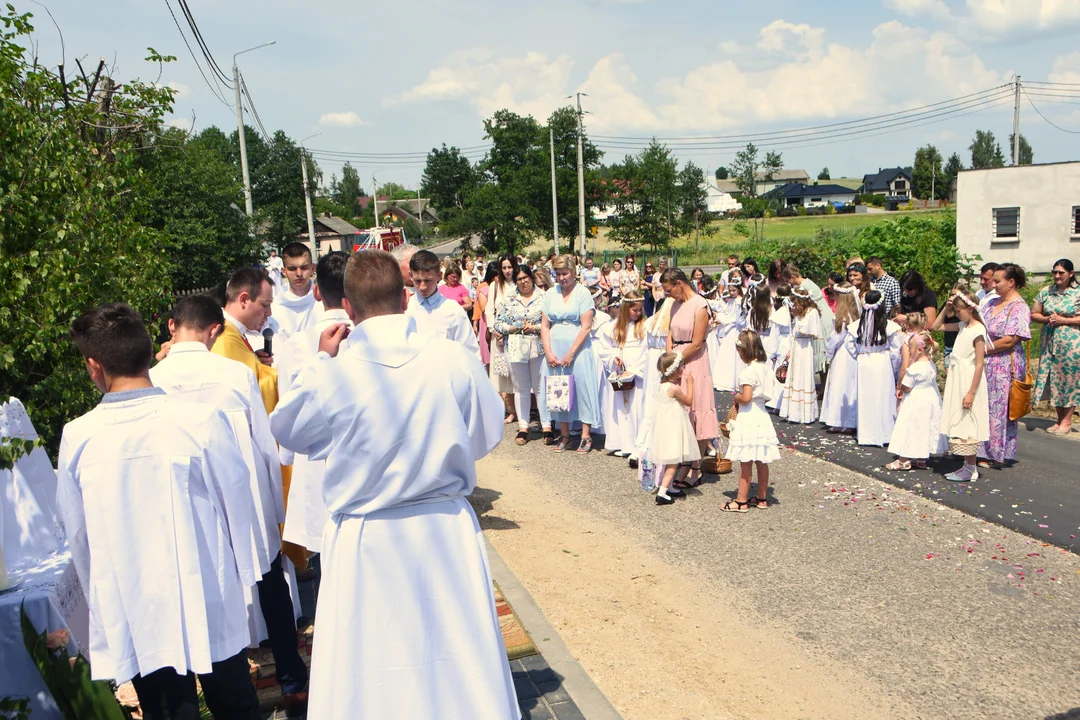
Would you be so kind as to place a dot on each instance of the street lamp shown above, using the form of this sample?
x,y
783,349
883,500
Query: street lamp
x,y
375,195
240,126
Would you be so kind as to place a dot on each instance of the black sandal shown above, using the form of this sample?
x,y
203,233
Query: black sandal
x,y
739,507
680,482
759,503
522,437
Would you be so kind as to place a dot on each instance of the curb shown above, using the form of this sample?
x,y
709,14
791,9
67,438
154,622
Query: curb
x,y
592,703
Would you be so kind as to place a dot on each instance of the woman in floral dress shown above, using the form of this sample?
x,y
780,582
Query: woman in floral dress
x,y
1057,306
1008,321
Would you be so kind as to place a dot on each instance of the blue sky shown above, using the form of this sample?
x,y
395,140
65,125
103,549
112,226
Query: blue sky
x,y
403,77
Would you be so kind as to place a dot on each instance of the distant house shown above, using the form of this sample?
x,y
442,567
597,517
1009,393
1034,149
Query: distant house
x,y
816,195
333,233
762,186
891,182
418,208
1027,214
719,201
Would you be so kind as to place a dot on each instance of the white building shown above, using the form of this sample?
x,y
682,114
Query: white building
x,y
1029,215
719,201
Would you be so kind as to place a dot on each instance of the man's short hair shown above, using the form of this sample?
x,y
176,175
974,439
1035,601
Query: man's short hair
x,y
114,336
733,257
296,250
403,251
373,283
991,266
873,260
198,312
246,279
330,277
424,261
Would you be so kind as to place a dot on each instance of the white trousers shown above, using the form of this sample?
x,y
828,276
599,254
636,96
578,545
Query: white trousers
x,y
526,376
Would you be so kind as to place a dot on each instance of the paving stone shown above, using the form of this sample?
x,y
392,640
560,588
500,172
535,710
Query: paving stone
x,y
535,709
553,692
525,688
567,711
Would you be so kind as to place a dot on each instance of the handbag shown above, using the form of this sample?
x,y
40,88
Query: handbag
x,y
1020,391
559,393
781,373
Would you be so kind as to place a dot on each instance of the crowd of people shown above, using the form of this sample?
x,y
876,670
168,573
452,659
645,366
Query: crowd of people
x,y
856,354
337,413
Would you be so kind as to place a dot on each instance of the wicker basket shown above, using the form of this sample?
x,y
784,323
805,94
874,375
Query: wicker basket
x,y
716,466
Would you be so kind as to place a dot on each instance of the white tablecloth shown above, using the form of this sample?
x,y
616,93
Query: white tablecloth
x,y
54,600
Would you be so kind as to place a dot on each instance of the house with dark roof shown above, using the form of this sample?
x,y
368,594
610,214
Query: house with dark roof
x,y
763,185
816,195
890,182
420,209
332,233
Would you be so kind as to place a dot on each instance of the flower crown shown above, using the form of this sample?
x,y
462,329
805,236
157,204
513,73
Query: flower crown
x,y
850,290
675,365
966,300
873,306
800,292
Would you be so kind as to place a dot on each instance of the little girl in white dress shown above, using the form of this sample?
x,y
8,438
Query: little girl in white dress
x,y
674,442
753,439
917,432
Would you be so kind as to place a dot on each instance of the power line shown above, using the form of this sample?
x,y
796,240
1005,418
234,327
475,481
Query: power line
x,y
971,97
202,43
214,89
853,131
251,105
1052,124
416,155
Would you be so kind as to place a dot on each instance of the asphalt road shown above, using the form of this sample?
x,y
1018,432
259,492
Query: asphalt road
x,y
1038,495
941,613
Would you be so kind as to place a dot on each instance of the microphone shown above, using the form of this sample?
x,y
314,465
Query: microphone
x,y
268,340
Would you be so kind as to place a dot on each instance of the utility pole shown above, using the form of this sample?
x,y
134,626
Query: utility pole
x,y
933,179
307,203
1016,124
554,196
580,178
240,128
375,199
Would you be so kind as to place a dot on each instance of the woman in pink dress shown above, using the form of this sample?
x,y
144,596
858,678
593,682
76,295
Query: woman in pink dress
x,y
454,290
686,335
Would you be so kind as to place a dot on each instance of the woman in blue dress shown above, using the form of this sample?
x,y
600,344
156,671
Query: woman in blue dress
x,y
566,335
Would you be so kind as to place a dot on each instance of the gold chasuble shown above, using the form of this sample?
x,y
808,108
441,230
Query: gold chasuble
x,y
233,345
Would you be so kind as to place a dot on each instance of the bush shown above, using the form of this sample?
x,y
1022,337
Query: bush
x,y
870,199
741,228
801,209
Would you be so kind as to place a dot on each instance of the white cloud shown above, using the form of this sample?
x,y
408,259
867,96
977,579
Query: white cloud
x,y
341,119
998,20
1066,68
180,90
790,74
186,124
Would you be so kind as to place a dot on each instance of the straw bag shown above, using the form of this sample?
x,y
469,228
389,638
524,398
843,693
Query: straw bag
x,y
1020,391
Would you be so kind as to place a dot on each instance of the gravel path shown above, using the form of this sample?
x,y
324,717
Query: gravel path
x,y
921,610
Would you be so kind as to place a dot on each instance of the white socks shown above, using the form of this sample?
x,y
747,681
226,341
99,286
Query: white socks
x,y
662,492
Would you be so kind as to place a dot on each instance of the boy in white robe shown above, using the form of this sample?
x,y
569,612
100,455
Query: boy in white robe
x,y
154,496
433,312
407,621
295,308
192,372
307,514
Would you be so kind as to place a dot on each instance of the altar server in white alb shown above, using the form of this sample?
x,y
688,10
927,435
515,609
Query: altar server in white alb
x,y
295,307
307,515
155,499
878,342
407,621
431,310
192,372
274,268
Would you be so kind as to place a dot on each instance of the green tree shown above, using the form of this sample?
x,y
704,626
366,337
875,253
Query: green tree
x,y
194,199
69,234
346,191
563,123
985,151
1027,157
953,166
647,199
747,167
448,179
928,179
824,174
722,173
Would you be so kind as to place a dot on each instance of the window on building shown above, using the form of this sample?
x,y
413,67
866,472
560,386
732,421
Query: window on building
x,y
1007,223
901,185
1076,220
815,199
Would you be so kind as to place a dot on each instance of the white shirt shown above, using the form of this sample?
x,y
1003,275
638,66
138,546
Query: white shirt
x,y
385,449
152,491
985,296
306,516
195,374
294,312
436,314
275,265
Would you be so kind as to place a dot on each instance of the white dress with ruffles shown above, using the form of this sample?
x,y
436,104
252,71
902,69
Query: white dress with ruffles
x,y
753,438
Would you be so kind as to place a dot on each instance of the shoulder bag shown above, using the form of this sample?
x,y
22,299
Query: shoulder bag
x,y
1020,391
